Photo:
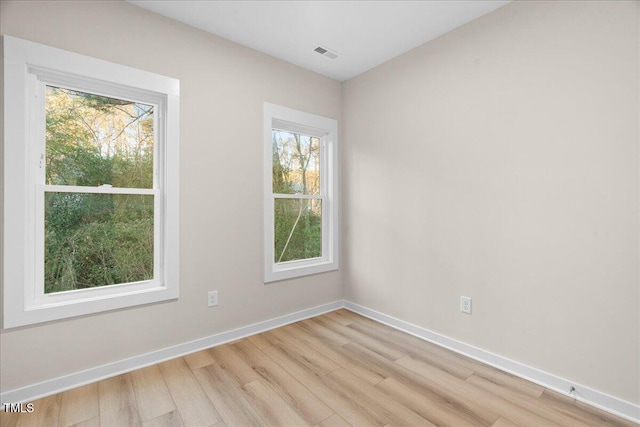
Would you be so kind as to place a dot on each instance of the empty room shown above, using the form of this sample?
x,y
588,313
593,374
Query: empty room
x,y
320,213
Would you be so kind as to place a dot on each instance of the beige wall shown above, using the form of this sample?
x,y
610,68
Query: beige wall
x,y
223,87
501,162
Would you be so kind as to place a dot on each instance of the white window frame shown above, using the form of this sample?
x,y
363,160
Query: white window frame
x,y
28,67
326,130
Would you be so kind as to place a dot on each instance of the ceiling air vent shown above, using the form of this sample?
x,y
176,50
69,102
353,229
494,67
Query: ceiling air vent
x,y
326,52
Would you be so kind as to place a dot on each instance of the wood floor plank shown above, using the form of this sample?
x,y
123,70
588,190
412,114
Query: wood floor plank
x,y
267,339
152,394
584,413
273,337
237,369
391,352
304,402
499,377
170,419
340,317
416,353
194,406
79,404
225,393
503,422
118,406
93,422
518,385
381,327
348,313
442,397
8,419
46,413
199,359
313,326
344,404
334,421
441,412
494,403
311,365
259,341
389,409
273,410
304,351
527,402
368,328
328,349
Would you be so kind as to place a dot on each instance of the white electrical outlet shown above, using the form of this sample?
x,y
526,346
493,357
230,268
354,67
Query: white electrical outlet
x,y
212,298
465,305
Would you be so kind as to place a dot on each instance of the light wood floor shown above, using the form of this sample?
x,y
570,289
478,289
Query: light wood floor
x,y
338,369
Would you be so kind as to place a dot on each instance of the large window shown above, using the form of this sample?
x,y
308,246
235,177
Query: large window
x,y
99,195
301,206
90,185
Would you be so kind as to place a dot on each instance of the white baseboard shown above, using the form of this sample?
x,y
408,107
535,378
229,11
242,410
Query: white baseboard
x,y
611,404
621,408
77,379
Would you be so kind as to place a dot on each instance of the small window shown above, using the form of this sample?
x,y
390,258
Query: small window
x,y
92,148
301,221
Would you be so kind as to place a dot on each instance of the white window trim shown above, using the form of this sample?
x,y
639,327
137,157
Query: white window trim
x,y
326,129
26,66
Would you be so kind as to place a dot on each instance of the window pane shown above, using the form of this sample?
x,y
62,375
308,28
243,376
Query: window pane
x,y
97,240
93,140
298,229
296,163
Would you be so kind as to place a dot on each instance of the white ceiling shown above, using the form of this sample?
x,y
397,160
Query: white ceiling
x,y
363,33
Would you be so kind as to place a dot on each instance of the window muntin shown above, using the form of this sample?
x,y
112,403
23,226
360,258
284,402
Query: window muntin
x,y
39,180
301,214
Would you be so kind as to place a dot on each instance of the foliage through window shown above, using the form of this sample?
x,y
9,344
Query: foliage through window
x,y
296,170
300,193
97,239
